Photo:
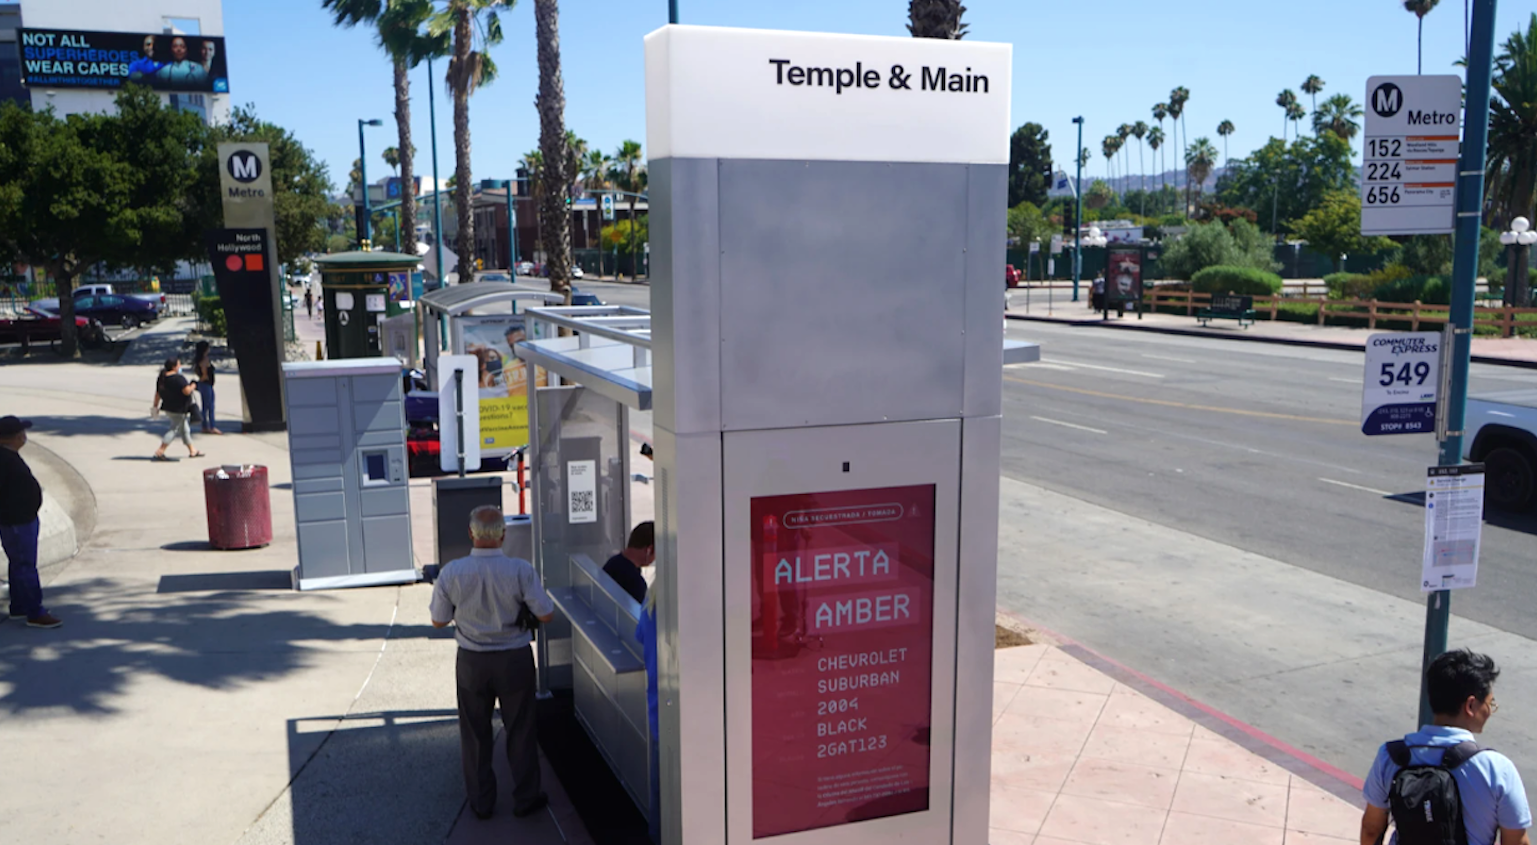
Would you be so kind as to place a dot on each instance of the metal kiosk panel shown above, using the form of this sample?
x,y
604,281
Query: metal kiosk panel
x,y
347,446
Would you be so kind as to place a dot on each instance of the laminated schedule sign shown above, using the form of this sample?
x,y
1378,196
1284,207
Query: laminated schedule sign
x,y
1409,159
1403,373
842,656
1454,521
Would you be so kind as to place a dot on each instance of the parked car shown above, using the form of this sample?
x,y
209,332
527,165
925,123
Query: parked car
x,y
38,326
576,272
525,268
95,289
579,298
1502,435
116,309
494,277
1010,276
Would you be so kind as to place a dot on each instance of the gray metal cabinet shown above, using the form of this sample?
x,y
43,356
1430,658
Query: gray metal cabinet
x,y
347,445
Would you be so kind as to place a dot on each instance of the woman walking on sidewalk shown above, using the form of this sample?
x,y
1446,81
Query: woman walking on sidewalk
x,y
202,366
172,395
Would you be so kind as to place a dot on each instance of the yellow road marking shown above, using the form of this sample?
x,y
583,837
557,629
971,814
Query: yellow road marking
x,y
1171,404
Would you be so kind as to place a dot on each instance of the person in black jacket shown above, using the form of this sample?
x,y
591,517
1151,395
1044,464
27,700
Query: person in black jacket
x,y
639,553
173,395
21,497
202,367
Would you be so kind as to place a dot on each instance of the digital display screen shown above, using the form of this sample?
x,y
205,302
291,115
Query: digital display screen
x,y
842,656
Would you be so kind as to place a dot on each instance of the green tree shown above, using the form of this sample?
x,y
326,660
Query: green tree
x,y
391,157
623,237
115,189
1139,131
1420,8
1027,223
300,184
1029,165
1239,244
1200,159
629,174
476,27
1284,182
1511,174
1177,100
1098,195
1333,228
1339,115
1426,255
556,145
1312,86
936,19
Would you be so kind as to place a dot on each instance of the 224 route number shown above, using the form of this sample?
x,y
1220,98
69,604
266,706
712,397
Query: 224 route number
x,y
1383,171
1382,196
1403,375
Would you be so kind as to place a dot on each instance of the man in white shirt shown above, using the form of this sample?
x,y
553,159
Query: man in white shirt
x,y
481,595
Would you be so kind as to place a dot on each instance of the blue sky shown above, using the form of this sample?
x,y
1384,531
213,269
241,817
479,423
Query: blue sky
x,y
1109,61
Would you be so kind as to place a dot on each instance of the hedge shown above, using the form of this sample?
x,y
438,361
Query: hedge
x,y
210,310
1240,280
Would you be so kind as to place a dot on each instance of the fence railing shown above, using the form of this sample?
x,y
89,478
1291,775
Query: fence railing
x,y
1504,318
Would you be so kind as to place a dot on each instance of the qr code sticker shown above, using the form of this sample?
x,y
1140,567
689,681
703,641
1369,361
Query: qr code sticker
x,y
582,501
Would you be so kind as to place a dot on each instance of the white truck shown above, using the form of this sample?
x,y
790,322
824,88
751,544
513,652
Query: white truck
x,y
1502,434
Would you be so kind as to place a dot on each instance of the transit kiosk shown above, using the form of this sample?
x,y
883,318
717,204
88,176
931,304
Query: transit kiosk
x,y
827,234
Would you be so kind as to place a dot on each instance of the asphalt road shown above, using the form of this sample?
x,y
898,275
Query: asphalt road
x,y
1252,445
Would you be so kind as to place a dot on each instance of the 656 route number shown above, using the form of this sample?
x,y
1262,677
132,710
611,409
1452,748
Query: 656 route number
x,y
1404,374
1384,195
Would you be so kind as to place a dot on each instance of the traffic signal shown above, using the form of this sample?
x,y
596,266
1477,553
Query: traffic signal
x,y
480,264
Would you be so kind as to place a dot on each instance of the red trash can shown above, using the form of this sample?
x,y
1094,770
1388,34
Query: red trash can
x,y
239,506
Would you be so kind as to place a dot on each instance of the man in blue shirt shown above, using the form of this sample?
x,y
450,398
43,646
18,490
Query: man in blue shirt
x,y
146,64
1494,809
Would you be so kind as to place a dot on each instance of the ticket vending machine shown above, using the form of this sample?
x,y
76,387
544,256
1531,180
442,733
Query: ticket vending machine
x,y
828,236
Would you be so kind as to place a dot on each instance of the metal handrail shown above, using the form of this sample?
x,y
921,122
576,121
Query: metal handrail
x,y
599,321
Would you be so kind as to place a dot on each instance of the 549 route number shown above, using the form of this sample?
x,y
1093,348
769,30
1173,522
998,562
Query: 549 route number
x,y
1404,375
1382,196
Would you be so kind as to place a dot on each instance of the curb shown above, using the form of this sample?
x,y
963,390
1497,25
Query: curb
x,y
1279,341
1331,779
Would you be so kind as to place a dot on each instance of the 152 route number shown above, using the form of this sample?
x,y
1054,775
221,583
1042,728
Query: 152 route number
x,y
1405,375
1384,147
1382,196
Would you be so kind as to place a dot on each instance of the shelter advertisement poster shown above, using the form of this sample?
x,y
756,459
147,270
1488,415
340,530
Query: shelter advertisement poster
x,y
502,379
66,58
842,656
1123,276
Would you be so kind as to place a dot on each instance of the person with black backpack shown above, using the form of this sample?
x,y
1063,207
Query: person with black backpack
x,y
1437,785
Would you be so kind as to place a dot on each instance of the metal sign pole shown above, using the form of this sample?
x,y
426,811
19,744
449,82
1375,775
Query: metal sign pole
x,y
1470,195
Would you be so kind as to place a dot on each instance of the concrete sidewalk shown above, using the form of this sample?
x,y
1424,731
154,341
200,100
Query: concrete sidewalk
x,y
192,697
1514,351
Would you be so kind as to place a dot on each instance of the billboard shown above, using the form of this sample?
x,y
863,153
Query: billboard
x,y
64,58
502,379
1124,276
842,656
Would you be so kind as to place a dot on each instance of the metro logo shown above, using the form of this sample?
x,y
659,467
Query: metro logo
x,y
1387,99
244,166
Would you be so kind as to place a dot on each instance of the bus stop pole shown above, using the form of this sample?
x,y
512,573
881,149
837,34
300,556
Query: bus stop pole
x,y
1470,196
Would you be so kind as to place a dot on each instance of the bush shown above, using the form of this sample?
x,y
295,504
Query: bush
x,y
1247,281
1240,244
210,312
1350,285
1431,290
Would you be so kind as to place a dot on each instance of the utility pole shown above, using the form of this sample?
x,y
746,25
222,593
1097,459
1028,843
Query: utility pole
x,y
1078,215
1470,197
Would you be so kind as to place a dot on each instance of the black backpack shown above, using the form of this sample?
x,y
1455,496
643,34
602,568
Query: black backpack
x,y
1424,800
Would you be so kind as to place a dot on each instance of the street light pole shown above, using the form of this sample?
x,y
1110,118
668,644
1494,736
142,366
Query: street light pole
x,y
512,233
1470,196
1078,215
368,222
672,11
437,188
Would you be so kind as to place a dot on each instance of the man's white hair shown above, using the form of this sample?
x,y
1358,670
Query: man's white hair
x,y
486,523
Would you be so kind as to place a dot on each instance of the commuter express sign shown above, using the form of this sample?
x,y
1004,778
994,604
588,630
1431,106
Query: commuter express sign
x,y
842,632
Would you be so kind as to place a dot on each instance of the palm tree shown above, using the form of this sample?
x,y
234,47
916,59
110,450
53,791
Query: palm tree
x,y
399,32
475,28
1311,86
1107,147
1155,140
1200,158
392,158
1177,99
1139,130
1511,174
1338,115
1295,112
555,145
936,19
1084,157
629,173
1420,8
1286,99
1123,132
1160,111
1225,128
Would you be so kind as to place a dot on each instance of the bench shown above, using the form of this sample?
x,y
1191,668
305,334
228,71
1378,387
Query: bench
x,y
1226,306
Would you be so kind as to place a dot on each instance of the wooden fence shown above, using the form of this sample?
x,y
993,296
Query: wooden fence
x,y
1504,318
